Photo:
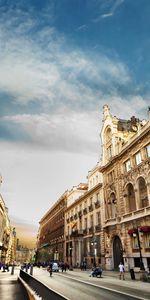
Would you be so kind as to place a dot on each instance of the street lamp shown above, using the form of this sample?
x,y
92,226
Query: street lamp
x,y
94,244
139,246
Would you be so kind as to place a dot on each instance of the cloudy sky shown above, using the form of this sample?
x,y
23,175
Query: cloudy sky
x,y
60,62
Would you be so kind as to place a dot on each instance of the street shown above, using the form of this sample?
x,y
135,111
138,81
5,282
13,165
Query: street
x,y
74,285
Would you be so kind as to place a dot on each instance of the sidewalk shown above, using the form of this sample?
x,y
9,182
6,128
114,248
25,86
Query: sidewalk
x,y
10,288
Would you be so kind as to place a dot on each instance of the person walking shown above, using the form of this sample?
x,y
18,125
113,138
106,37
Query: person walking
x,y
121,271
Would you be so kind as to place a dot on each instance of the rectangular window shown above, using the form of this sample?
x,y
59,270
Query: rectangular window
x,y
85,223
128,165
96,179
148,150
147,240
109,152
98,218
91,220
138,158
135,244
136,262
91,199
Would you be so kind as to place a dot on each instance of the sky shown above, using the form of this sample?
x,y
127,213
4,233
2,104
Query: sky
x,y
60,62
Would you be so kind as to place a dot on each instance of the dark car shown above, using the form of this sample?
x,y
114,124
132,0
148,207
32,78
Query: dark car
x,y
97,272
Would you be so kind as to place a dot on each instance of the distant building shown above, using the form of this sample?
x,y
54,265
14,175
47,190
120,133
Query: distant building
x,y
50,240
5,231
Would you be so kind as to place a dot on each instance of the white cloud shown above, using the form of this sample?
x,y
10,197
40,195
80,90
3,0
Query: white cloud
x,y
65,130
110,6
50,73
33,179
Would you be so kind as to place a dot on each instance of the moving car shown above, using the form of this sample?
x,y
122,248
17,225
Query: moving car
x,y
55,267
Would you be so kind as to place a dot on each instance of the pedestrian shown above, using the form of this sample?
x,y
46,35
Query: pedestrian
x,y
49,269
121,271
81,265
84,265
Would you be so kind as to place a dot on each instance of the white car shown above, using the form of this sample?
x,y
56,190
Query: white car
x,y
55,267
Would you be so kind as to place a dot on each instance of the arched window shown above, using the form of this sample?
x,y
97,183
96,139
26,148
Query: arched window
x,y
131,198
113,205
142,189
108,135
108,143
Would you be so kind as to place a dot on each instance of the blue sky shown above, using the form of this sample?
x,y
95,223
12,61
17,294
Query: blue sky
x,y
61,61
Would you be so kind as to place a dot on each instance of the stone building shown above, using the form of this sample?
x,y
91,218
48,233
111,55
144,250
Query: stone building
x,y
126,185
50,241
5,232
83,223
107,219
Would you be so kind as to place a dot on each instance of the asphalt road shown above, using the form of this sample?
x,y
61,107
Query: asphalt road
x,y
73,287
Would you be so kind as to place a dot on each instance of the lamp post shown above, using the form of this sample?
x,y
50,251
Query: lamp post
x,y
94,244
139,246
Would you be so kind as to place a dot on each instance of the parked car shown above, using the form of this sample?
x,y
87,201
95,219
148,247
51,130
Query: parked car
x,y
55,267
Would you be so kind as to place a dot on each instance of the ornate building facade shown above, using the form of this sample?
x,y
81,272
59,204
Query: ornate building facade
x,y
83,224
126,185
107,219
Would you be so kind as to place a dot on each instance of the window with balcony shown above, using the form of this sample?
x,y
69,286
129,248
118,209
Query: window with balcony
x,y
85,224
147,240
142,189
91,221
138,158
148,150
109,152
135,244
98,218
131,203
128,165
96,179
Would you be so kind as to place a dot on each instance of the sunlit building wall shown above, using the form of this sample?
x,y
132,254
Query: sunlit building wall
x,y
126,184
